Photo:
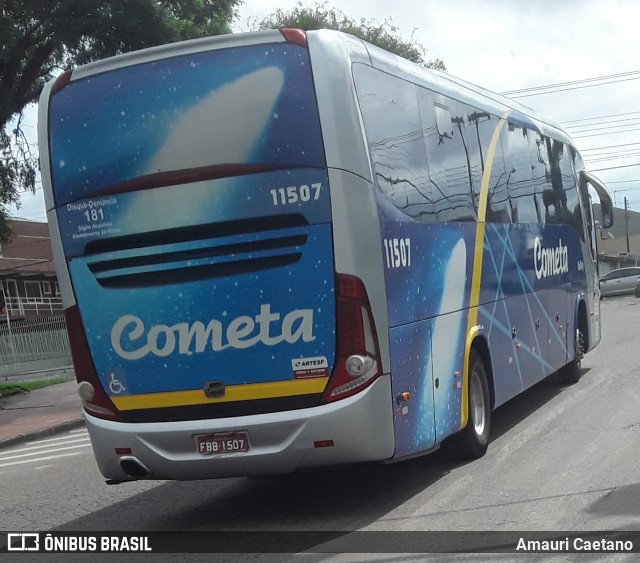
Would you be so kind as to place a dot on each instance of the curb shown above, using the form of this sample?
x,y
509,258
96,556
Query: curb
x,y
54,429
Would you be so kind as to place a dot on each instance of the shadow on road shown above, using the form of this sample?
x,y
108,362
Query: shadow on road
x,y
521,407
623,501
347,498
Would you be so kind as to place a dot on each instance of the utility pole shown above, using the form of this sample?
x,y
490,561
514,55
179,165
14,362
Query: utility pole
x,y
626,223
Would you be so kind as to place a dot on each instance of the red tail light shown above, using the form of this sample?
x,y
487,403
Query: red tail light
x,y
357,362
94,399
295,36
61,81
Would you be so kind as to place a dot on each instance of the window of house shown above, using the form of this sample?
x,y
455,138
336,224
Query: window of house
x,y
33,289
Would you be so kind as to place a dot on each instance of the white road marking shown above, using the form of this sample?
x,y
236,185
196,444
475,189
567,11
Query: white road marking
x,y
39,459
32,454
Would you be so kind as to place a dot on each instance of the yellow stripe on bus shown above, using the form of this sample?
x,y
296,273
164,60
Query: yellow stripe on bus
x,y
247,392
476,278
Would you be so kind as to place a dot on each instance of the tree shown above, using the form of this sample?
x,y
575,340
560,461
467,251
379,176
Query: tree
x,y
321,16
39,38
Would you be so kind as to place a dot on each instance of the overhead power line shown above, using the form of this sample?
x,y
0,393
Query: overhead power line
x,y
609,123
610,157
574,84
600,117
608,129
583,80
624,181
602,132
613,167
605,152
609,147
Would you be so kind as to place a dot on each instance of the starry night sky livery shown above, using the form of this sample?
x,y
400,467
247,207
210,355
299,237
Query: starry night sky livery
x,y
111,128
427,334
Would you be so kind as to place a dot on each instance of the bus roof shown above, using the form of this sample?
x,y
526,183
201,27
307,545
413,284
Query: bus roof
x,y
358,51
454,87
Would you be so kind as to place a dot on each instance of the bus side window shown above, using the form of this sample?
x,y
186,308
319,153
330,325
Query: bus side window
x,y
570,186
395,137
587,207
520,181
561,196
479,132
540,173
446,149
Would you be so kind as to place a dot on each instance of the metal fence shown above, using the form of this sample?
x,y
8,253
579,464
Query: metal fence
x,y
31,306
33,344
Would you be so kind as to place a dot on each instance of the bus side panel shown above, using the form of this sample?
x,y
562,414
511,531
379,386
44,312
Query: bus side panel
x,y
414,424
512,314
518,361
428,273
557,308
447,371
528,281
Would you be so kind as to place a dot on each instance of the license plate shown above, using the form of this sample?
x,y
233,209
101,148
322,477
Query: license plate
x,y
222,443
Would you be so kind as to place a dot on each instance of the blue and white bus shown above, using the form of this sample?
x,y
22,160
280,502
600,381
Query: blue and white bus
x,y
284,250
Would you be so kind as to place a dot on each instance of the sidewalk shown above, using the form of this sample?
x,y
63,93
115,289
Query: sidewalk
x,y
40,412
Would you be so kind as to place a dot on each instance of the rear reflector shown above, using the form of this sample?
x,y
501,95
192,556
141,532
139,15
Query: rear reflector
x,y
323,444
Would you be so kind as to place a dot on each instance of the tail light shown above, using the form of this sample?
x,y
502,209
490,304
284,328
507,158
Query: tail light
x,y
295,36
94,399
357,362
61,81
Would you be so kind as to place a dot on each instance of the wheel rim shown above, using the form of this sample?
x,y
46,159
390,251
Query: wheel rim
x,y
476,396
579,344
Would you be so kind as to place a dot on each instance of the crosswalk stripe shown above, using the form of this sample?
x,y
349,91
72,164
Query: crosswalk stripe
x,y
32,448
32,454
57,438
39,459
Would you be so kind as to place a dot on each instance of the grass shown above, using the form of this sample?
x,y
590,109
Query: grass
x,y
7,389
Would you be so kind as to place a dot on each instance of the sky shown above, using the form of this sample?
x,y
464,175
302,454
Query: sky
x,y
510,45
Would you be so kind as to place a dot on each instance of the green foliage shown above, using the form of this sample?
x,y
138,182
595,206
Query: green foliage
x,y
38,38
322,16
7,389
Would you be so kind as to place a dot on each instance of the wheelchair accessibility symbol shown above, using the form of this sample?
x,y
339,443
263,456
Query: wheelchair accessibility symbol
x,y
115,386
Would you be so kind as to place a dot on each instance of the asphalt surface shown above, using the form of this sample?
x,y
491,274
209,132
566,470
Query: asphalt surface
x,y
31,414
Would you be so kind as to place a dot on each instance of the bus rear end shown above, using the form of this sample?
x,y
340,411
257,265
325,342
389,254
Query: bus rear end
x,y
189,201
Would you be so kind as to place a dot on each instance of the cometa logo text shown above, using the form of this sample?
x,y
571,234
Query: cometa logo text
x,y
131,340
550,261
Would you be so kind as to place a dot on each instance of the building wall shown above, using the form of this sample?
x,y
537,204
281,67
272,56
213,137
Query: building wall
x,y
619,246
28,284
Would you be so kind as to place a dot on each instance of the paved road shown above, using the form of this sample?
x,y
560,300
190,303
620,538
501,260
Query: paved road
x,y
561,459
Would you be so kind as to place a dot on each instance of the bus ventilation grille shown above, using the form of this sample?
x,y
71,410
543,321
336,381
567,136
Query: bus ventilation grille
x,y
192,254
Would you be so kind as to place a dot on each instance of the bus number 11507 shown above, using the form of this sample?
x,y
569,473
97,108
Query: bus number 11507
x,y
398,252
295,194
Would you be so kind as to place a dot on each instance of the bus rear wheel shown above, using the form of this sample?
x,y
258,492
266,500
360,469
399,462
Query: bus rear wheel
x,y
473,441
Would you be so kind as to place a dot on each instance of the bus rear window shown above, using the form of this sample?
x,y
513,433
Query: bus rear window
x,y
235,109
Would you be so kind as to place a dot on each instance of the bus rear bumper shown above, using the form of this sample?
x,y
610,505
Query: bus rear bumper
x,y
356,429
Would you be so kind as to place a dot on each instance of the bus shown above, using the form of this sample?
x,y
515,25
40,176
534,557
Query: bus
x,y
285,250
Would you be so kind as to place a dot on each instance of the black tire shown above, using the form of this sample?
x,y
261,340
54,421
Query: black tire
x,y
571,373
472,442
